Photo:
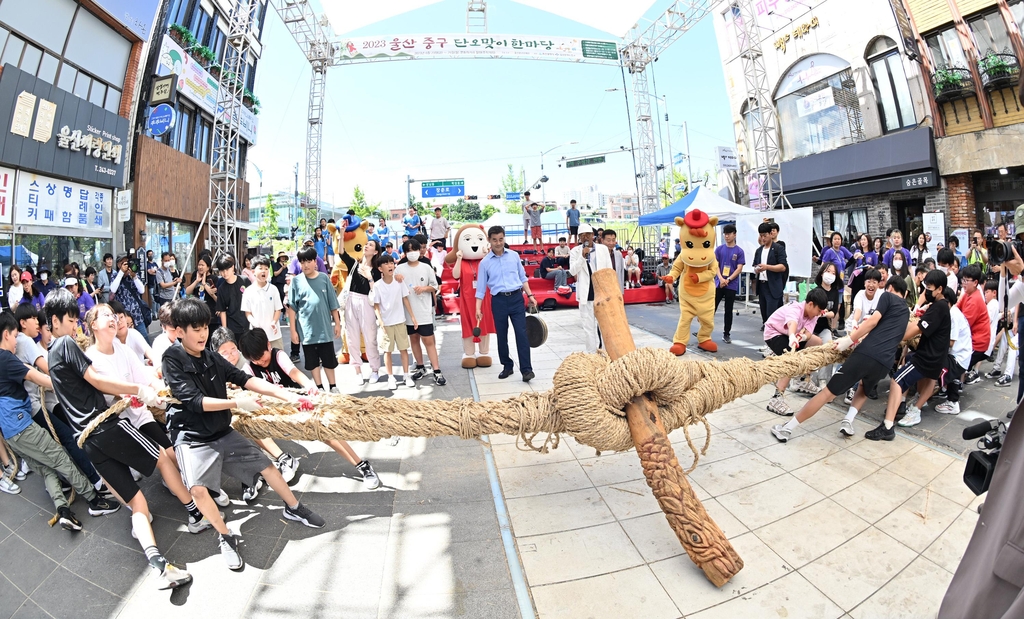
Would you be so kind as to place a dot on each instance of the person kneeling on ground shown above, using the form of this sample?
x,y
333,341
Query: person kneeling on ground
x,y
200,425
879,337
791,327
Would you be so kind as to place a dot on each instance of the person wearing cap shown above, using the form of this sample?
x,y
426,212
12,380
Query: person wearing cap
x,y
30,294
439,229
85,300
294,268
42,281
579,268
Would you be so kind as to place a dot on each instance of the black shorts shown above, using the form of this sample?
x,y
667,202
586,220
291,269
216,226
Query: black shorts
x,y
155,433
320,355
780,344
977,356
422,330
857,368
118,447
909,375
574,230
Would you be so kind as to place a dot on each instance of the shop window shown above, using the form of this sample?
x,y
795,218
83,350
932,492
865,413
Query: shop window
x,y
201,23
30,59
48,68
95,47
1017,9
12,51
45,22
98,93
54,252
990,36
82,84
158,235
204,129
66,81
850,223
217,44
183,130
261,16
113,102
177,12
818,107
945,49
181,239
890,82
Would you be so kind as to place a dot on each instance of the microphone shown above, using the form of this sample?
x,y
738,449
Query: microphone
x,y
980,429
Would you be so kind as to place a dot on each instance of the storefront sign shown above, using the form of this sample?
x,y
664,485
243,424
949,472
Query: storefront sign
x,y
87,147
925,179
799,31
123,202
906,30
6,196
135,15
163,90
161,119
815,102
44,201
199,86
726,157
449,46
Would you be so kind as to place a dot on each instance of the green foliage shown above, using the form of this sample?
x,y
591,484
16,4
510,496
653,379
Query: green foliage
x,y
364,209
668,196
253,99
204,54
487,211
464,211
513,207
187,38
512,183
996,65
949,79
268,229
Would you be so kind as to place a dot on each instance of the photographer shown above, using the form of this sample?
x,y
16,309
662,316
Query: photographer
x,y
127,289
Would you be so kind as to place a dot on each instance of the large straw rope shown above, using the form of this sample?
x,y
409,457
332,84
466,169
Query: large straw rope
x,y
589,394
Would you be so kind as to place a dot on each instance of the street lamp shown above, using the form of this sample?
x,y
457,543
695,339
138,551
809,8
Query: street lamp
x,y
543,198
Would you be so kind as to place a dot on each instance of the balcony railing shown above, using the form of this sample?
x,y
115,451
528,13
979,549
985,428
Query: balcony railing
x,y
952,83
998,70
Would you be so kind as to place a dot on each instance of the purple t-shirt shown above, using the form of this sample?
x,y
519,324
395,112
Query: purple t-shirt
x,y
887,259
729,259
85,303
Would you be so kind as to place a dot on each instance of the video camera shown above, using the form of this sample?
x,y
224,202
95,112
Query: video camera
x,y
1002,251
981,464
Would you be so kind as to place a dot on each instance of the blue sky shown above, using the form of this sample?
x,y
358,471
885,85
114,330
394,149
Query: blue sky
x,y
470,118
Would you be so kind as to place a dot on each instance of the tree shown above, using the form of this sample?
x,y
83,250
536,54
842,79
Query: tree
x,y
513,207
675,179
464,211
487,211
364,209
268,229
512,183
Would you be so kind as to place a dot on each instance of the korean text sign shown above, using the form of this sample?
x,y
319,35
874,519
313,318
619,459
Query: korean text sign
x,y
44,201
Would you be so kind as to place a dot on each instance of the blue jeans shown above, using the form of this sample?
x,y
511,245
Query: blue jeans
x,y
510,309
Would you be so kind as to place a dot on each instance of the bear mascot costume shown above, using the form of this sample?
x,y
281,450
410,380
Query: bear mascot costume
x,y
349,242
695,268
469,249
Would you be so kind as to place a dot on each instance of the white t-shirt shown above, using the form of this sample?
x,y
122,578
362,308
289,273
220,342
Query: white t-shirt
x,y
865,305
993,321
422,303
123,365
389,297
561,252
138,345
960,333
160,345
282,360
763,275
261,303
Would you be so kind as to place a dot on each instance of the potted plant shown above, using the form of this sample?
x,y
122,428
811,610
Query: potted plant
x,y
952,83
215,70
248,99
998,70
181,35
203,55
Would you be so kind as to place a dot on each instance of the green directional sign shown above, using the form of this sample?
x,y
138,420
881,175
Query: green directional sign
x,y
575,163
452,183
602,50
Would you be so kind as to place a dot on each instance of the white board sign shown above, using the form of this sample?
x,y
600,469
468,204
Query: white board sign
x,y
795,230
726,157
935,225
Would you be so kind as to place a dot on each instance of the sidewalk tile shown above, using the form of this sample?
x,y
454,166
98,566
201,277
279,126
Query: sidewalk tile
x,y
800,451
728,475
613,468
770,500
759,435
921,464
512,455
791,597
740,415
32,566
921,520
523,481
274,601
876,495
809,534
722,446
537,515
582,451
692,591
630,499
853,572
88,600
600,597
569,555
915,592
836,472
949,548
950,484
882,453
831,432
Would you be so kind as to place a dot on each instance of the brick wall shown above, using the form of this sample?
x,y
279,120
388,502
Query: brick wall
x,y
131,77
960,193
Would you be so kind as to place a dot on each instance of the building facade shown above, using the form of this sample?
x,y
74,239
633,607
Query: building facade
x,y
623,206
69,76
853,114
170,178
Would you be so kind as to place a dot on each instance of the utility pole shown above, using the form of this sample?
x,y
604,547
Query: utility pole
x,y
689,162
408,194
295,203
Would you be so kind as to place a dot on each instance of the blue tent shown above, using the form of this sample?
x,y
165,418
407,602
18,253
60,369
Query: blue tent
x,y
21,255
701,198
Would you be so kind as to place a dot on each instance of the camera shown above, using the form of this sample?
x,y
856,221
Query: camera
x,y
133,264
981,464
1002,251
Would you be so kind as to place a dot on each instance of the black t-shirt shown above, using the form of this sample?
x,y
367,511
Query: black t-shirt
x,y
13,372
360,285
81,401
229,300
191,379
884,340
200,293
274,373
833,306
935,327
546,265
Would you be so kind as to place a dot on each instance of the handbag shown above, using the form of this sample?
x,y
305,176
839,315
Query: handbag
x,y
343,295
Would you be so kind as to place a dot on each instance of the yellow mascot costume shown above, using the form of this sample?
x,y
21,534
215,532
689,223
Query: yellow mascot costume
x,y
695,267
351,243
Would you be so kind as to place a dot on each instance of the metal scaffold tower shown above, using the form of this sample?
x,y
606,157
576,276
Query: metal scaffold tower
x,y
225,188
767,164
476,17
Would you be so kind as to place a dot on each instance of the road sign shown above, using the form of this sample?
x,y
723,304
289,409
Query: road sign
x,y
603,50
575,163
458,182
444,191
513,195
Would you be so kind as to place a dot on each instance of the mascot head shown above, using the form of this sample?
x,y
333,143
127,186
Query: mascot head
x,y
351,240
471,240
697,238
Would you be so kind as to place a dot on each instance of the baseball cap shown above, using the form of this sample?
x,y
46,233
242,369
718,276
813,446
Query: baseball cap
x,y
308,239
26,276
1018,219
585,229
71,281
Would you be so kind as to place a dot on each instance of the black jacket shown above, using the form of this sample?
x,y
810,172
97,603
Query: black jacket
x,y
776,281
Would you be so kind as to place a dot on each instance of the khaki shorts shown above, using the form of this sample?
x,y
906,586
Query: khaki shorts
x,y
395,338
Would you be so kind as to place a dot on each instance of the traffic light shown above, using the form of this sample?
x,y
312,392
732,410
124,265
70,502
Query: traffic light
x,y
494,196
470,197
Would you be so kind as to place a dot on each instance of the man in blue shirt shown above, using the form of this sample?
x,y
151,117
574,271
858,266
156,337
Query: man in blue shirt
x,y
412,222
501,272
572,220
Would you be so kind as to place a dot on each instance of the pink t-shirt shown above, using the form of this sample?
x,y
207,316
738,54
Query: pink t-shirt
x,y
786,314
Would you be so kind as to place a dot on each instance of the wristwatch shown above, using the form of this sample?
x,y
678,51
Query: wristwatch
x,y
530,295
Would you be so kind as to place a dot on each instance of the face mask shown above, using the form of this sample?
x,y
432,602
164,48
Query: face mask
x,y
413,256
944,269
897,264
828,278
928,296
43,276
168,264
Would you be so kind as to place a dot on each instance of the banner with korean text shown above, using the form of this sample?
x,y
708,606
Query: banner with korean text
x,y
450,46
44,201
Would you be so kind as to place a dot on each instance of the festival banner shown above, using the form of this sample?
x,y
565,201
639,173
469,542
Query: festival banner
x,y
450,46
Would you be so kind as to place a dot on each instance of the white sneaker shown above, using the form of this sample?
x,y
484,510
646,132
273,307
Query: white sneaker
x,y
392,383
912,418
359,376
374,377
337,391
779,406
948,408
846,428
222,499
7,485
780,432
409,382
173,577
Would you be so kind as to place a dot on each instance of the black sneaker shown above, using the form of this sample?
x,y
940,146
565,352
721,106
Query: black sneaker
x,y
100,506
250,492
303,514
901,412
727,339
370,479
294,358
881,433
419,372
994,374
439,378
972,378
67,519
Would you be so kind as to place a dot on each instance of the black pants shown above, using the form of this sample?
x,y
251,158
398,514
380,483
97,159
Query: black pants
x,y
510,309
976,357
954,384
730,300
768,304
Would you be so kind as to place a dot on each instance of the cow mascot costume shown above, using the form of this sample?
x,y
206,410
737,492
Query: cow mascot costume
x,y
470,247
695,268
